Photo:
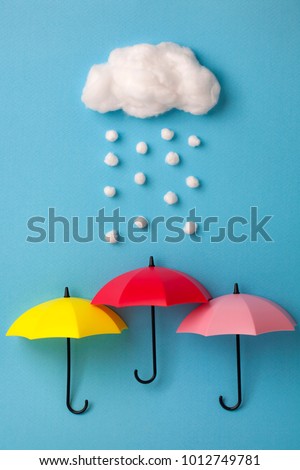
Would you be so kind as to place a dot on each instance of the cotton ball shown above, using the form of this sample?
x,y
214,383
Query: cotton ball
x,y
194,141
139,178
111,236
192,182
111,159
140,222
170,198
111,135
109,191
172,158
142,148
190,228
167,134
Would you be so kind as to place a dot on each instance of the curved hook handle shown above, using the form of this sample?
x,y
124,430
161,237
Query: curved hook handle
x,y
229,408
136,375
78,412
68,399
153,352
239,384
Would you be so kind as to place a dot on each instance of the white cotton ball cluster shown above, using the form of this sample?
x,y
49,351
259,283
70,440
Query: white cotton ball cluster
x,y
147,80
190,228
111,236
140,222
170,198
167,134
109,191
111,135
142,148
194,141
139,178
172,158
111,159
192,182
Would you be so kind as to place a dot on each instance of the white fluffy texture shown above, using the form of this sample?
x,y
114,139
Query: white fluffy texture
x,y
111,159
146,80
142,148
111,236
140,178
111,135
190,228
172,158
170,198
194,141
167,134
109,191
192,182
141,222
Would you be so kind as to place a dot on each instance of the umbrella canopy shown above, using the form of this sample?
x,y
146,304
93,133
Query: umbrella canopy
x,y
67,317
242,314
151,286
237,314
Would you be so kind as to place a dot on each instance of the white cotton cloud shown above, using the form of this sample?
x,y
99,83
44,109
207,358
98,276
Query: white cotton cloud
x,y
147,80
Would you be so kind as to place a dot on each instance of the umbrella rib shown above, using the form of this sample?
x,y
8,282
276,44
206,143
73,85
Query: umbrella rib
x,y
123,293
250,316
163,286
132,280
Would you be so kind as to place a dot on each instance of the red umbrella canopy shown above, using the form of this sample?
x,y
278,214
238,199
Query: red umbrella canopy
x,y
152,285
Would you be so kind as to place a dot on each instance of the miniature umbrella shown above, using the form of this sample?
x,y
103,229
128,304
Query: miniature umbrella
x,y
67,317
238,314
151,286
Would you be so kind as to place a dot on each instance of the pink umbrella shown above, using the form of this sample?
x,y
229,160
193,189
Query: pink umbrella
x,y
241,314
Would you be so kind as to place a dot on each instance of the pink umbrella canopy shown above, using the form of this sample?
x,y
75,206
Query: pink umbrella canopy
x,y
233,314
151,286
241,314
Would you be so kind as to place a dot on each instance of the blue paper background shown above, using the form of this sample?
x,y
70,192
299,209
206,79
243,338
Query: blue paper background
x,y
51,156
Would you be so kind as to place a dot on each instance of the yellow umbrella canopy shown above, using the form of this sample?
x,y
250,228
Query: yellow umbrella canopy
x,y
67,317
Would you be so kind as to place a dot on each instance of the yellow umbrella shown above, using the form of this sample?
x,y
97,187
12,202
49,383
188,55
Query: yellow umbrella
x,y
67,317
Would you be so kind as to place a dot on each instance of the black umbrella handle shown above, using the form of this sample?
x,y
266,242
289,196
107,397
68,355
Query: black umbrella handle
x,y
153,352
239,382
68,397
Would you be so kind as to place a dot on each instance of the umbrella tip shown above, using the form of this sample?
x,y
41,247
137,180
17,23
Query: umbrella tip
x,y
67,293
236,288
151,262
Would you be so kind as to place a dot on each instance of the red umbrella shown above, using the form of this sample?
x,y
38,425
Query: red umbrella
x,y
153,286
241,314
